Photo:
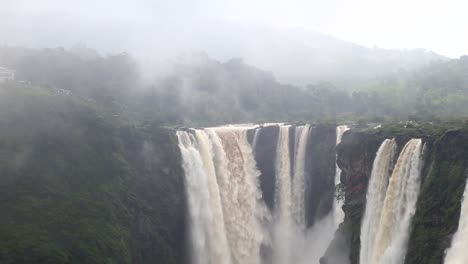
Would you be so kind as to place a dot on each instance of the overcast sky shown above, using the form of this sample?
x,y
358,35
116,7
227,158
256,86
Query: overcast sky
x,y
441,26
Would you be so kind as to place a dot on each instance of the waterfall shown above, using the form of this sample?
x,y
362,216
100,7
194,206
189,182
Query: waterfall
x,y
399,206
223,196
283,199
255,138
338,204
207,235
240,194
375,198
298,185
457,253
292,242
219,241
229,222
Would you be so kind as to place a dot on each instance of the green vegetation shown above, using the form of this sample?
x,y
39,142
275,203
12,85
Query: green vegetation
x,y
200,91
80,186
89,174
439,203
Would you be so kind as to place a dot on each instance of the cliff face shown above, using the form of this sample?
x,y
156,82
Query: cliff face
x,y
265,155
443,180
355,155
320,172
320,167
439,203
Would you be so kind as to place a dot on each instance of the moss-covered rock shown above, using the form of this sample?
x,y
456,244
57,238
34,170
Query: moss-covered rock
x,y
438,208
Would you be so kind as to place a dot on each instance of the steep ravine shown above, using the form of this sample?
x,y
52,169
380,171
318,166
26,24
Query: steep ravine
x,y
88,189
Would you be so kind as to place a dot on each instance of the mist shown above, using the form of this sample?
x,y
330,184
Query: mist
x,y
208,132
299,42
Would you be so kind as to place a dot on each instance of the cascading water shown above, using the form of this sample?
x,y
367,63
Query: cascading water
x,y
337,204
241,196
457,253
208,240
289,224
218,239
399,206
222,192
255,138
298,185
283,200
229,222
375,198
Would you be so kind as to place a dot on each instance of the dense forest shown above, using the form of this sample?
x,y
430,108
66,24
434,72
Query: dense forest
x,y
81,185
198,90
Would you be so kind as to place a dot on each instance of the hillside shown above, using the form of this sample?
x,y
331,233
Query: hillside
x,y
303,57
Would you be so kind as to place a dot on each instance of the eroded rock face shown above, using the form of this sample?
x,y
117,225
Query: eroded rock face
x,y
265,155
320,167
320,172
355,155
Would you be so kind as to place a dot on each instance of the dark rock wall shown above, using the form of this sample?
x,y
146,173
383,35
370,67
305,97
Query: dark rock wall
x,y
356,153
320,167
265,155
320,172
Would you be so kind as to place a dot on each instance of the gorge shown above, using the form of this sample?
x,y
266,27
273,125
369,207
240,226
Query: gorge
x,y
270,193
258,193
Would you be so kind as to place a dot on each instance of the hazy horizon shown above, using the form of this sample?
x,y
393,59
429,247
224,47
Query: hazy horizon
x,y
114,26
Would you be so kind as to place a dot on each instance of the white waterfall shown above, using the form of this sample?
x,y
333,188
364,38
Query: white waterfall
x,y
225,206
293,243
229,222
298,185
338,204
378,182
241,196
457,253
255,138
220,248
399,207
205,247
283,200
